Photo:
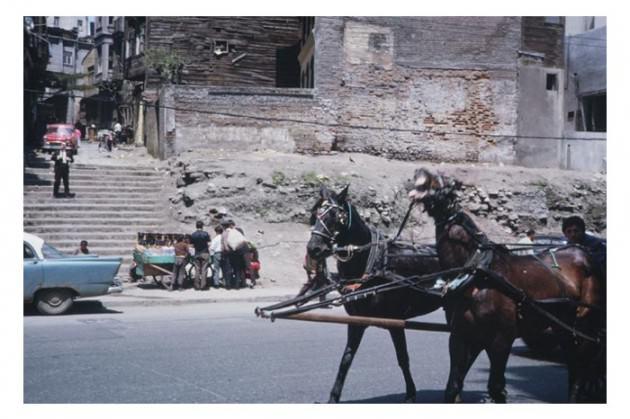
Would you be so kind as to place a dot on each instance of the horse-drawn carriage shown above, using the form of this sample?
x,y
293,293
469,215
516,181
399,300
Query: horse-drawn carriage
x,y
490,295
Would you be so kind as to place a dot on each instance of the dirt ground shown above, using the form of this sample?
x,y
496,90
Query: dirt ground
x,y
269,195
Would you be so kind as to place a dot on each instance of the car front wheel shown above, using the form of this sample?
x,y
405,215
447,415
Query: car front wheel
x,y
54,301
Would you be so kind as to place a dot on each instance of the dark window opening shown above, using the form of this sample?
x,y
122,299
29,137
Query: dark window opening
x,y
594,113
377,42
67,58
552,82
288,66
570,116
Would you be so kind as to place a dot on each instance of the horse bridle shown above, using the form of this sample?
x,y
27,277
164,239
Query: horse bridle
x,y
329,235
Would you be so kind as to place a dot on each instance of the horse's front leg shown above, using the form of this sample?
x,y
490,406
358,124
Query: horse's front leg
x,y
400,343
355,334
462,354
498,354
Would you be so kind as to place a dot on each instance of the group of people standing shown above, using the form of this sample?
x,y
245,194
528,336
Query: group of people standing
x,y
232,257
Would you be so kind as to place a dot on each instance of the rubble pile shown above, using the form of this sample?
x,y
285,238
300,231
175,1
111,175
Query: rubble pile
x,y
540,206
212,190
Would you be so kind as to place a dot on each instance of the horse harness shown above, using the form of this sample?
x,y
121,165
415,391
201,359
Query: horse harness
x,y
480,262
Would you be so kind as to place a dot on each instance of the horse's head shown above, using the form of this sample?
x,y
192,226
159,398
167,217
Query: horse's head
x,y
434,191
329,217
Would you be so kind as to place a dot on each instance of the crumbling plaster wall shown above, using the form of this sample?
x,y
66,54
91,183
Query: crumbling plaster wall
x,y
242,119
413,88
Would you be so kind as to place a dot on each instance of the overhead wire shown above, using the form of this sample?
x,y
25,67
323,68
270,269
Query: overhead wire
x,y
353,126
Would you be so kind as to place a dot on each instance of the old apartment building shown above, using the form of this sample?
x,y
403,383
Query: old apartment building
x,y
480,89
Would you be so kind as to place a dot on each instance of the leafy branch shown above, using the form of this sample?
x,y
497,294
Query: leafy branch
x,y
166,62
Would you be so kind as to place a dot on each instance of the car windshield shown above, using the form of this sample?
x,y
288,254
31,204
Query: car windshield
x,y
50,252
59,131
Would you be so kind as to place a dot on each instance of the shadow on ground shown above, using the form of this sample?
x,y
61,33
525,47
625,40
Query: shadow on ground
x,y
424,397
79,307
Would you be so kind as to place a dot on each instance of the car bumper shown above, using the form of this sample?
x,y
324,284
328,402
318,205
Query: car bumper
x,y
116,287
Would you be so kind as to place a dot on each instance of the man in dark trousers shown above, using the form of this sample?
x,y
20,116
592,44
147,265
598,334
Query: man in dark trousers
x,y
62,159
200,240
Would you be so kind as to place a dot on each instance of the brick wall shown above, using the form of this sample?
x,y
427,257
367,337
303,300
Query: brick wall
x,y
243,119
437,89
441,89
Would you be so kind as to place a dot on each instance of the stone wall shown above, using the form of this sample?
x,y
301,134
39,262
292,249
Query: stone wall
x,y
242,119
419,87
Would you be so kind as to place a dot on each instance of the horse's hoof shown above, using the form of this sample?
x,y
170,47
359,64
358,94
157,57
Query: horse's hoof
x,y
458,399
333,400
411,399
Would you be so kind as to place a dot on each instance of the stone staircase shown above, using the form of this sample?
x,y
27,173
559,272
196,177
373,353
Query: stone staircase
x,y
112,204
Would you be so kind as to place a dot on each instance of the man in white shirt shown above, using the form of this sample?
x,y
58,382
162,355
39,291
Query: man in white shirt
x,y
215,253
234,247
117,132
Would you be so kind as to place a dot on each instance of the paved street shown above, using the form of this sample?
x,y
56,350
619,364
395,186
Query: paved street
x,y
222,353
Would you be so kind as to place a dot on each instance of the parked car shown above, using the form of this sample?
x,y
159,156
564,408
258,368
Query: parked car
x,y
52,280
57,134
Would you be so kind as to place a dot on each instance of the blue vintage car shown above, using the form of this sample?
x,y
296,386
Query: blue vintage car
x,y
52,280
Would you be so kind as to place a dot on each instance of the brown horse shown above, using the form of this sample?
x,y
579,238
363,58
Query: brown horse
x,y
485,315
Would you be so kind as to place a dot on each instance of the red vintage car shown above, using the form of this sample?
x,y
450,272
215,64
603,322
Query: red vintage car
x,y
57,134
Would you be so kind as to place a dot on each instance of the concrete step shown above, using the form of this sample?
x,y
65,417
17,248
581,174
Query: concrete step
x,y
96,243
65,206
89,236
96,182
95,174
87,222
48,165
90,229
46,192
126,254
97,188
82,200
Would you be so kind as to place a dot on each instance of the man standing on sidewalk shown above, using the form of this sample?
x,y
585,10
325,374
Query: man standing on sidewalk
x,y
200,240
216,253
234,247
181,257
62,159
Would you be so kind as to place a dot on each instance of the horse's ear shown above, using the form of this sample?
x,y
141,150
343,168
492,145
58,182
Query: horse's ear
x,y
317,204
341,196
324,193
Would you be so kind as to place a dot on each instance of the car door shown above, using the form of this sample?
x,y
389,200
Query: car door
x,y
33,272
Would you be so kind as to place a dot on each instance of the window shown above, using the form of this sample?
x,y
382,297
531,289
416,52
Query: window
x,y
79,23
56,21
50,252
99,60
552,82
28,252
377,42
67,58
553,20
594,112
111,19
571,116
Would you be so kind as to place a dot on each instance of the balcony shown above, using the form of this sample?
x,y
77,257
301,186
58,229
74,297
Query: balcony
x,y
134,67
